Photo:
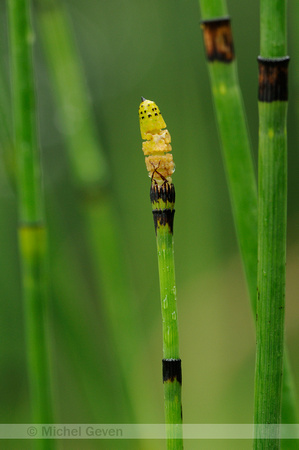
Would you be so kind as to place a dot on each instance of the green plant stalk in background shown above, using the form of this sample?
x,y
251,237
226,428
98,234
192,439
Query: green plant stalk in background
x,y
235,144
240,173
6,141
86,157
32,233
90,174
271,221
69,322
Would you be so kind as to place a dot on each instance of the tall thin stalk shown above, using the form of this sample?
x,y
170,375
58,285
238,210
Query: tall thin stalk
x,y
212,9
6,141
160,166
90,176
233,132
238,161
32,232
273,96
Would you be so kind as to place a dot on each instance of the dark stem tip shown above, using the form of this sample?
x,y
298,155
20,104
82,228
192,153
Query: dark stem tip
x,y
143,99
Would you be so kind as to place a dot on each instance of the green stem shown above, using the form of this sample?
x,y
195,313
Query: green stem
x,y
86,156
271,221
213,8
273,38
238,165
271,265
90,175
240,173
6,141
234,138
30,201
162,198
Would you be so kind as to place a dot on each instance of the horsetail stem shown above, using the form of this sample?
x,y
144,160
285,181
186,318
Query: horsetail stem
x,y
238,162
211,9
89,167
32,232
6,140
90,176
160,166
233,132
273,97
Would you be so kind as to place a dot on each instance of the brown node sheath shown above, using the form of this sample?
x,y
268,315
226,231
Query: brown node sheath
x,y
163,198
218,39
164,192
163,217
172,370
273,79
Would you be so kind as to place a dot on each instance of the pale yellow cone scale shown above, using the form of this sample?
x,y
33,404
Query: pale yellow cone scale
x,y
159,162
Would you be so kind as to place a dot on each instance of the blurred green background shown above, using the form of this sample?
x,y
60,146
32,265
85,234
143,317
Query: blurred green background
x,y
153,49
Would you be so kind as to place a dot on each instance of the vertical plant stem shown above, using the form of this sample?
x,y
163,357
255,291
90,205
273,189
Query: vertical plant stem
x,y
234,137
6,141
160,166
32,233
273,96
90,175
238,161
86,156
212,9
162,198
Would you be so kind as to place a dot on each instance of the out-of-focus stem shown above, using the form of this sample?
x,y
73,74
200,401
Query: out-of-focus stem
x,y
32,233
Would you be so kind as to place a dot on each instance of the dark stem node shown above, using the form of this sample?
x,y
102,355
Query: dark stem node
x,y
163,217
172,370
273,79
164,192
218,39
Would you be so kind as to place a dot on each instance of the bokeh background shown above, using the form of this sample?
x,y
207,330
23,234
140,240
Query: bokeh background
x,y
153,49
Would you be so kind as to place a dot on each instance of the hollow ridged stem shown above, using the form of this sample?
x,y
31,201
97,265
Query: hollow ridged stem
x,y
273,95
273,37
234,139
162,198
271,267
213,8
238,162
32,233
160,166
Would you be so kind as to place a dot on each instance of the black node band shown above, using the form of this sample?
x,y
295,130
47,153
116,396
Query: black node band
x,y
273,79
163,217
164,192
172,370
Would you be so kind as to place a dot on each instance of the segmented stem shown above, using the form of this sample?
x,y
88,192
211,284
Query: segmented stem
x,y
159,163
32,233
273,96
238,162
163,198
